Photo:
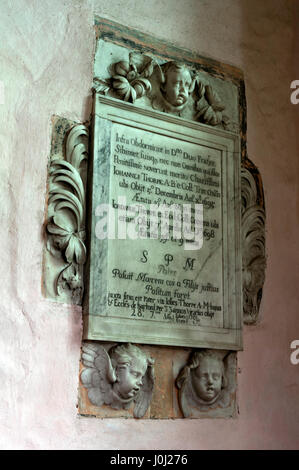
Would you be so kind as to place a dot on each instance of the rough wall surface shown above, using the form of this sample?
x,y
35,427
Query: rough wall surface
x,y
46,67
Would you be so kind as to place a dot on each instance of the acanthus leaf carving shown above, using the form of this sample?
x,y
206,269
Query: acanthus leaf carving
x,y
253,248
209,108
66,225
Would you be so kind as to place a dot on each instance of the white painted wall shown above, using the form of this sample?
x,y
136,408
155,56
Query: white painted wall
x,y
46,53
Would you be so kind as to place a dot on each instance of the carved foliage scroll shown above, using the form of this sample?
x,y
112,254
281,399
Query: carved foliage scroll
x,y
66,224
169,87
253,247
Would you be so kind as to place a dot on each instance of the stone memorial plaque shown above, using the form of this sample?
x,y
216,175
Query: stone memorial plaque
x,y
151,283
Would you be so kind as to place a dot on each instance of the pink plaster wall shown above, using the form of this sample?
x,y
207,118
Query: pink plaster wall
x,y
46,66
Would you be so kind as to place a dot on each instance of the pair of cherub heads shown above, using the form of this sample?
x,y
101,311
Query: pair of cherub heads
x,y
205,371
124,375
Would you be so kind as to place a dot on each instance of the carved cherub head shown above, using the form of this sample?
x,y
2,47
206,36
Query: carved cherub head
x,y
130,365
177,83
207,375
119,377
202,379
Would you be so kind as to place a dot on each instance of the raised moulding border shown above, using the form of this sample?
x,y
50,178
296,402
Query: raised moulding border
x,y
97,326
131,39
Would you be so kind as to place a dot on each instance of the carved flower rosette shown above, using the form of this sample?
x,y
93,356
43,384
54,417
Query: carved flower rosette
x,y
129,79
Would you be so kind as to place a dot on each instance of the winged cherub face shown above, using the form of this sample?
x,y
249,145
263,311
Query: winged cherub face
x,y
129,377
207,379
177,87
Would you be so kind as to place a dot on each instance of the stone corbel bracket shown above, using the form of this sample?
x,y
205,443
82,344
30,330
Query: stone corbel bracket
x,y
253,242
66,216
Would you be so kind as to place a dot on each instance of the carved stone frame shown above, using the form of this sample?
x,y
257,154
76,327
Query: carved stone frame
x,y
56,266
97,325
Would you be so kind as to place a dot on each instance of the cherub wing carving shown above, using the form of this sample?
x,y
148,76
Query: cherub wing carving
x,y
209,106
99,375
144,397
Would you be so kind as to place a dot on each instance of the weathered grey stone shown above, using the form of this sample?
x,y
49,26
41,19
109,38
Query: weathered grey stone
x,y
253,248
66,219
169,86
138,288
